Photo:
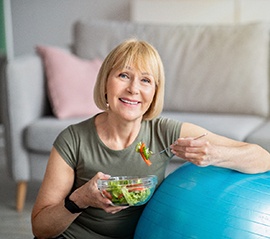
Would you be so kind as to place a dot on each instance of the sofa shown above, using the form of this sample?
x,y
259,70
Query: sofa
x,y
216,76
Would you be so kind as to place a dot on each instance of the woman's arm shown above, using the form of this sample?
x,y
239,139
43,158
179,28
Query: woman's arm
x,y
49,216
49,211
220,151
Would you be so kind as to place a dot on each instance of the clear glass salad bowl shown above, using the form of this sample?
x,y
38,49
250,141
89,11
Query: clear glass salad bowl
x,y
128,190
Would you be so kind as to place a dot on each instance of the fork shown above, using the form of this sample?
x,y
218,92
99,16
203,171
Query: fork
x,y
162,151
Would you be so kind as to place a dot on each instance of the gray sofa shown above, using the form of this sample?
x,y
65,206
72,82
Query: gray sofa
x,y
216,77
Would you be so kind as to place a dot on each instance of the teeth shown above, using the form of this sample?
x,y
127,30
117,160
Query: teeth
x,y
129,102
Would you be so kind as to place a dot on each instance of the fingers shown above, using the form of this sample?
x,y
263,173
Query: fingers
x,y
101,175
194,150
189,145
189,141
109,207
90,195
105,198
114,209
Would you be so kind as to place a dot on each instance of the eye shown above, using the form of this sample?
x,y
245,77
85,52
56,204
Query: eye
x,y
124,76
146,80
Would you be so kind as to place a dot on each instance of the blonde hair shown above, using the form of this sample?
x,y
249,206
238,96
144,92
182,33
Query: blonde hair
x,y
141,55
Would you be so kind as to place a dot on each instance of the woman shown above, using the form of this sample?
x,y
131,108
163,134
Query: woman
x,y
130,90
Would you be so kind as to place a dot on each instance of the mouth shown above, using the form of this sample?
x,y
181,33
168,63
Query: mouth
x,y
130,102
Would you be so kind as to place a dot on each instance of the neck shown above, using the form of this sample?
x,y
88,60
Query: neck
x,y
117,134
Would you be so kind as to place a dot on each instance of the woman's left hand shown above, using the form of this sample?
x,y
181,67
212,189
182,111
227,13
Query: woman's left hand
x,y
197,151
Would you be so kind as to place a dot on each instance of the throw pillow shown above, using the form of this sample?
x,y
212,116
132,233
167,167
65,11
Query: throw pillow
x,y
70,82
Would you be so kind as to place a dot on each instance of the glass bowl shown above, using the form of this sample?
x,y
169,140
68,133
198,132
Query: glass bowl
x,y
128,190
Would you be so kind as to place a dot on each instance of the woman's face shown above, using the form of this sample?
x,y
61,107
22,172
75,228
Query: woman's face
x,y
130,92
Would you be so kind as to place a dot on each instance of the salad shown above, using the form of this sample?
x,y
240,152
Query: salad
x,y
144,152
123,192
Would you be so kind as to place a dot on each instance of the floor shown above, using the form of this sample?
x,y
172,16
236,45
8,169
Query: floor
x,y
13,225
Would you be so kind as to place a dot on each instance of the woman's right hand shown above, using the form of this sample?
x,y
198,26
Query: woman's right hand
x,y
89,195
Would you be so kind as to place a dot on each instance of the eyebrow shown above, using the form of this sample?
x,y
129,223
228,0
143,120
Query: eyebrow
x,y
143,73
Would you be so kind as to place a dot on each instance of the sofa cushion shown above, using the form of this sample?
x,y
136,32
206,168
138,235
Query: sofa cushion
x,y
237,127
70,82
40,135
209,69
261,135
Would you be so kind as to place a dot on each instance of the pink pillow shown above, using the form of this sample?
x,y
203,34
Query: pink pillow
x,y
70,82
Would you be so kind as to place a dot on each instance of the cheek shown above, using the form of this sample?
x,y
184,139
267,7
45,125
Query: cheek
x,y
149,94
152,92
111,87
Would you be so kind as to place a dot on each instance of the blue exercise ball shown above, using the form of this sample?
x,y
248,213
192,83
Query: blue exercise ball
x,y
208,203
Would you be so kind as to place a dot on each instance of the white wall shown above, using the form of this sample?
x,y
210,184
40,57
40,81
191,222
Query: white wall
x,y
200,11
50,21
183,11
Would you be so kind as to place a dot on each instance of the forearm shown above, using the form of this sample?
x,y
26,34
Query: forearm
x,y
52,221
221,152
50,217
248,158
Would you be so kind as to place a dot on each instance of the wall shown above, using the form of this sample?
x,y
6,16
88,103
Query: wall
x,y
2,60
2,30
50,21
200,11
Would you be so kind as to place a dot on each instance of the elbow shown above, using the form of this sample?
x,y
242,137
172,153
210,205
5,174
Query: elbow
x,y
35,229
259,163
41,235
42,230
39,232
36,232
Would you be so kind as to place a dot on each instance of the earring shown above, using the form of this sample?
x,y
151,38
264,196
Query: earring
x,y
107,104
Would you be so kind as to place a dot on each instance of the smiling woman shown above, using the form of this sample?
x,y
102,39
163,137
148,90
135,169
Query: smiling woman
x,y
130,89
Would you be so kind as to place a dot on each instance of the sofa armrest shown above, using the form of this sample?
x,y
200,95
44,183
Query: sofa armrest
x,y
24,101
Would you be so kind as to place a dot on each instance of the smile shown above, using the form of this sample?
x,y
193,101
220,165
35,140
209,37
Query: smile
x,y
129,102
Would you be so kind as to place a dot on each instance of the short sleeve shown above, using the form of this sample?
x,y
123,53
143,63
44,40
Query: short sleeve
x,y
65,146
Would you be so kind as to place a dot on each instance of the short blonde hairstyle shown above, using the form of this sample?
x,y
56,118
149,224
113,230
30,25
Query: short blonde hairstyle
x,y
141,55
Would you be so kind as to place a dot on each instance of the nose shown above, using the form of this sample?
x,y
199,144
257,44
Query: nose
x,y
133,87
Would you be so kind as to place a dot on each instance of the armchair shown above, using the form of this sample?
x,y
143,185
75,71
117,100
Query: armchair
x,y
26,115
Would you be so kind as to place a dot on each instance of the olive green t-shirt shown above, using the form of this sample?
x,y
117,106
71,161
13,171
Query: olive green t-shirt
x,y
83,150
